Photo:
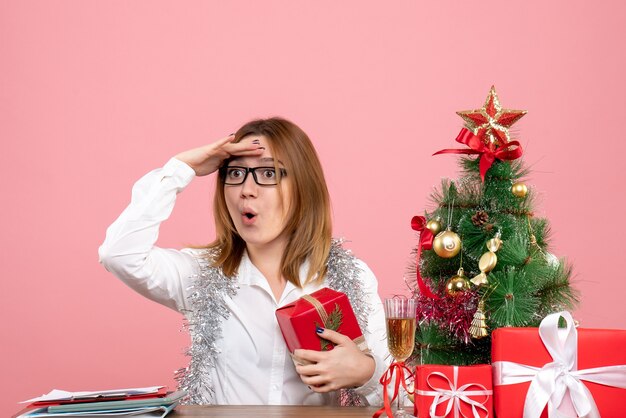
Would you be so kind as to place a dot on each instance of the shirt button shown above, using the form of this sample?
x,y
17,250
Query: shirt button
x,y
274,387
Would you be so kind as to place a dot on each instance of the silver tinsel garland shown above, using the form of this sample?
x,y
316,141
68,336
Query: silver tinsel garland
x,y
204,321
343,275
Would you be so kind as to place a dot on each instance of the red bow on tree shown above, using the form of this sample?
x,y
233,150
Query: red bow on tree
x,y
418,223
488,152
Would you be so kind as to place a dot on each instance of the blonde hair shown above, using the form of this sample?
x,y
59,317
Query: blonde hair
x,y
309,224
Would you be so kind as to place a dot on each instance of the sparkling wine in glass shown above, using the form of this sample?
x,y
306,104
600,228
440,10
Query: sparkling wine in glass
x,y
400,316
401,337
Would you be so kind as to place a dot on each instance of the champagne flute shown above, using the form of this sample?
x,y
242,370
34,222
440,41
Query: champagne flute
x,y
400,315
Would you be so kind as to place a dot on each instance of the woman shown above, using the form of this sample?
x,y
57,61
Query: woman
x,y
273,245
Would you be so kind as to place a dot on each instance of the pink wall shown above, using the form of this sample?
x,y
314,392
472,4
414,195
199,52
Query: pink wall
x,y
93,94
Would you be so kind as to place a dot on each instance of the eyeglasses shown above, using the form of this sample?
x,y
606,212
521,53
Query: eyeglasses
x,y
263,176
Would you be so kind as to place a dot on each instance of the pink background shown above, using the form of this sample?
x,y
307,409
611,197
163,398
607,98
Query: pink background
x,y
96,93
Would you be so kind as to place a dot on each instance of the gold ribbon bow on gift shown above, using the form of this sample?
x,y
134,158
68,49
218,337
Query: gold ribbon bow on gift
x,y
455,395
333,322
550,383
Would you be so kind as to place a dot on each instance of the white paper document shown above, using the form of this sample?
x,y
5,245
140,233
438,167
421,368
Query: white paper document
x,y
62,395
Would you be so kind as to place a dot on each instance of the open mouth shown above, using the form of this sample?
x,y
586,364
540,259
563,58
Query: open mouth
x,y
248,216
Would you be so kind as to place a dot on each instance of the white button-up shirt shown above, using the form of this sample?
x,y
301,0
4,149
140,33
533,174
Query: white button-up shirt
x,y
254,365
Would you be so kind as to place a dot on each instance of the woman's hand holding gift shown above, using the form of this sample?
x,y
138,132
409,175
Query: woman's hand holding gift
x,y
345,366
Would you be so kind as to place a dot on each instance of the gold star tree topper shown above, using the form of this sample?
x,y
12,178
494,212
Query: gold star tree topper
x,y
491,122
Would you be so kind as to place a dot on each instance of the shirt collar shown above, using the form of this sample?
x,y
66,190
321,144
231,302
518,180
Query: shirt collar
x,y
250,275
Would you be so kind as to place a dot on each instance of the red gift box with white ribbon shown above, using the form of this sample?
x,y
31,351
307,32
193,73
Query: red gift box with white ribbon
x,y
453,391
566,372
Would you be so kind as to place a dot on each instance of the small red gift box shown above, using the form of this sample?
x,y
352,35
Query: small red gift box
x,y
453,391
514,349
325,308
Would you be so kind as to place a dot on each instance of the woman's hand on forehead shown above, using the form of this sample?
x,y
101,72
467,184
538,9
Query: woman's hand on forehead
x,y
206,159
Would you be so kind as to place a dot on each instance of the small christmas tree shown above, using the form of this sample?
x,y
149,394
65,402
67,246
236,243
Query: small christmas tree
x,y
482,259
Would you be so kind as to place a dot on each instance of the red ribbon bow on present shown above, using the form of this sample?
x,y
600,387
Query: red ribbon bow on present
x,y
488,152
418,223
386,379
455,395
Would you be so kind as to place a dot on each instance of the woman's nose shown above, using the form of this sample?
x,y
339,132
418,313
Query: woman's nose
x,y
249,187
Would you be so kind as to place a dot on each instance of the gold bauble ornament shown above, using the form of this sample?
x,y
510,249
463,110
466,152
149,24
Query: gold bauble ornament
x,y
447,244
457,284
434,225
519,189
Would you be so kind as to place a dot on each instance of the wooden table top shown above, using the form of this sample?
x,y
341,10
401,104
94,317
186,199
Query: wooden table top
x,y
282,411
